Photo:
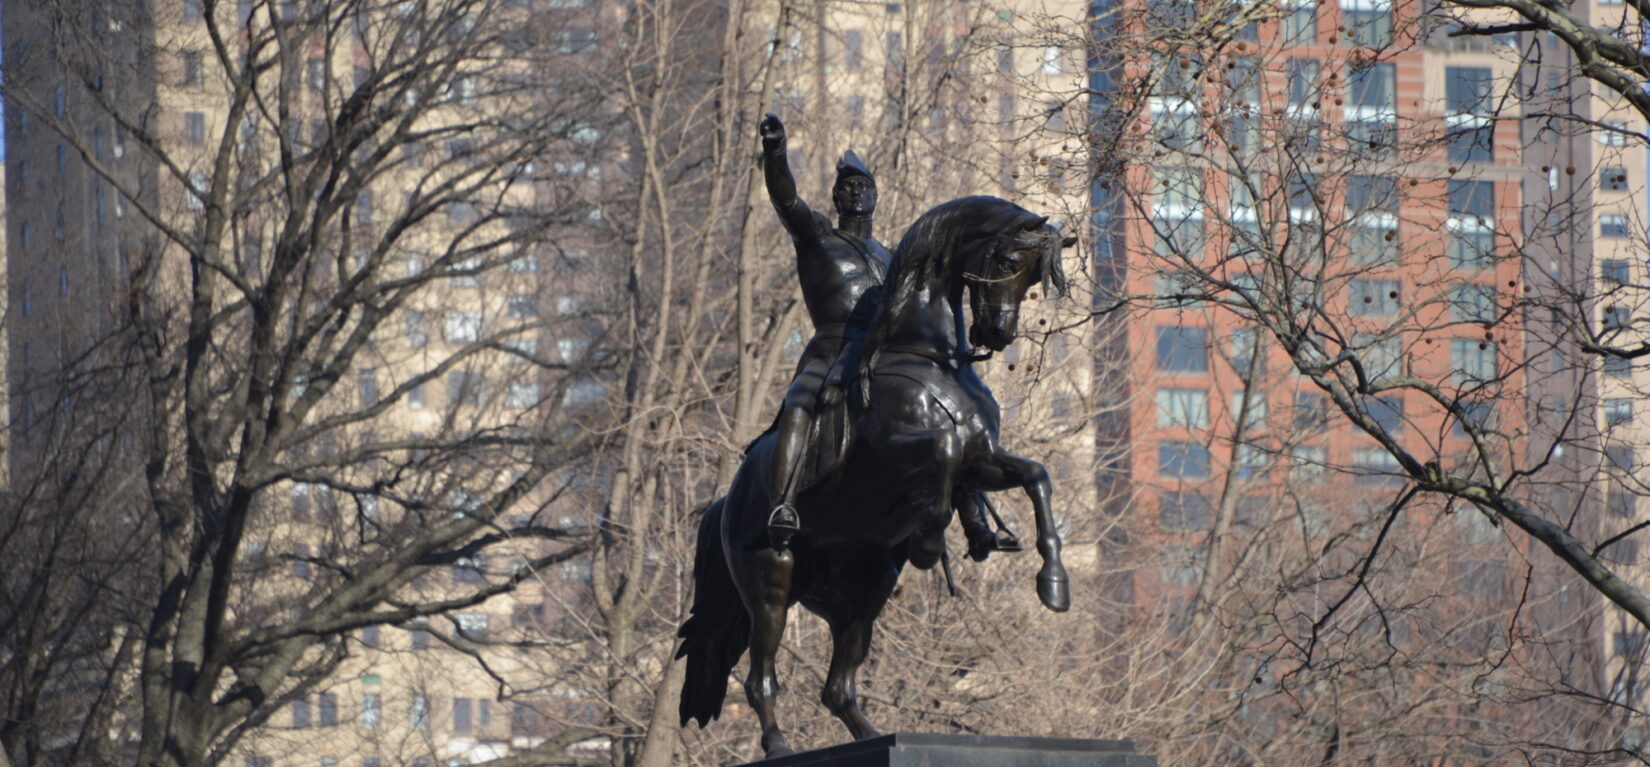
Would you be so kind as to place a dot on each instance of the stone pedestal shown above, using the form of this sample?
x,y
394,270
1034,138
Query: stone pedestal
x,y
906,749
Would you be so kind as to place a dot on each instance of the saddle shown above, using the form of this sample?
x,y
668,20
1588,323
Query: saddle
x,y
833,431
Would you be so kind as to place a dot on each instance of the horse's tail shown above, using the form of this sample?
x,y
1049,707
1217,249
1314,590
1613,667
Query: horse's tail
x,y
718,629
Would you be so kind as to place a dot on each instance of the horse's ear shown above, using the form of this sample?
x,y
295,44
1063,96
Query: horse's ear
x,y
1068,242
1036,223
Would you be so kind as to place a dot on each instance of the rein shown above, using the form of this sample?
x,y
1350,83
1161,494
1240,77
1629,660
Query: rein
x,y
961,355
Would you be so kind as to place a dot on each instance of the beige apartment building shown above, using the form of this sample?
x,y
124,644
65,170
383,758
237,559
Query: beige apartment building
x,y
1588,187
89,170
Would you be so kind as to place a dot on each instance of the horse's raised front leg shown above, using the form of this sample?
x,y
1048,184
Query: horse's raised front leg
x,y
850,642
765,585
1004,470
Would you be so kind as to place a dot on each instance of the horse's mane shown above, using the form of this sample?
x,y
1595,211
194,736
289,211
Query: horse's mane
x,y
942,233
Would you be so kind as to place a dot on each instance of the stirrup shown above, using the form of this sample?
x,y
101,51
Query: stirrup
x,y
782,524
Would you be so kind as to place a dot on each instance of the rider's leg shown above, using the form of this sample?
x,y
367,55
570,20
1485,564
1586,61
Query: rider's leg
x,y
790,447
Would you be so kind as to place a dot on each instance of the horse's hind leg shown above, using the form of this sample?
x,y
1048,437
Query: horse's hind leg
x,y
765,585
851,641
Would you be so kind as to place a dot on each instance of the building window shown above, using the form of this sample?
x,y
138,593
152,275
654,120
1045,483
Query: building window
x,y
523,306
1614,272
1469,114
371,710
416,398
1184,512
1613,133
522,394
194,128
328,709
368,379
1473,302
192,12
1308,463
417,636
1612,179
463,327
1182,349
1617,367
1471,224
1311,411
1388,412
1305,102
1375,466
464,387
300,712
1478,413
1183,460
1620,500
524,263
1473,361
1612,225
575,41
461,715
190,62
1177,212
417,335
471,626
583,392
1373,297
1249,406
1051,60
1372,209
1183,408
1372,109
467,273
1368,22
197,185
1617,411
370,636
418,712
1243,81
1300,22
853,50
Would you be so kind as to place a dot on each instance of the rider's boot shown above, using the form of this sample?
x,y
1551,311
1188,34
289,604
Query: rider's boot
x,y
795,426
981,540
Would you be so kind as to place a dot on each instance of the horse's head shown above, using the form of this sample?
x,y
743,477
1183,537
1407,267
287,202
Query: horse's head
x,y
999,276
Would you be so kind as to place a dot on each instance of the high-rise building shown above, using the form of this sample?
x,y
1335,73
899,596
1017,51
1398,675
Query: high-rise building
x,y
138,165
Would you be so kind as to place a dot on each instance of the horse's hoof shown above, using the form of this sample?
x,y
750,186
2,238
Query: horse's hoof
x,y
1054,590
778,751
922,557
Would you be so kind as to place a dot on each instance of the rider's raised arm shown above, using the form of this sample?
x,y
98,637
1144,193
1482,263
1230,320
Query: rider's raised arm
x,y
795,214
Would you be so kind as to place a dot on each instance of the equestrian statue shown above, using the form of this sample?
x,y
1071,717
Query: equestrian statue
x,y
840,269
885,428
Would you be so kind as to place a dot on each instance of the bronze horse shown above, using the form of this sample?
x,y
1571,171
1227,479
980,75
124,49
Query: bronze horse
x,y
924,427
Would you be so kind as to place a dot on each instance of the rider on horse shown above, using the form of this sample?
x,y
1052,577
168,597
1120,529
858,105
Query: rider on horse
x,y
841,270
837,266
